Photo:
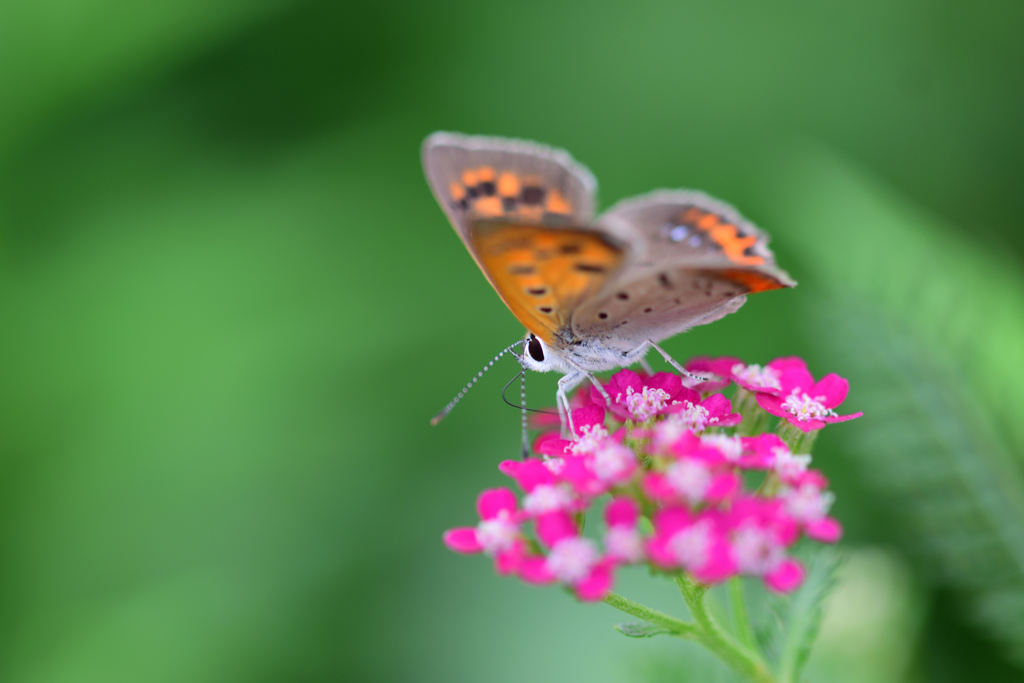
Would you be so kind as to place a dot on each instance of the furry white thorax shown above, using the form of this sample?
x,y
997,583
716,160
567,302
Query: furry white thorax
x,y
590,356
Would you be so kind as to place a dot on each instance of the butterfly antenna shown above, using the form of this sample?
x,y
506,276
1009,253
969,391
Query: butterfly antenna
x,y
455,401
522,402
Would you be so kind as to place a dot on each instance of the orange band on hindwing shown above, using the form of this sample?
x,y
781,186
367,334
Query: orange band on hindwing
x,y
725,235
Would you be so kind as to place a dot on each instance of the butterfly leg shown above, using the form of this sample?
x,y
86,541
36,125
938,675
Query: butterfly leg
x,y
566,384
669,359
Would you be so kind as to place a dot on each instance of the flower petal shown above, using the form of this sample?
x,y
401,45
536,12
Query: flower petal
x,y
722,487
833,387
793,373
508,562
771,403
804,426
556,448
577,471
667,522
717,405
659,553
667,382
786,578
720,564
551,443
597,585
552,527
528,473
462,540
588,416
622,512
623,379
534,569
841,418
730,420
721,366
814,478
826,530
657,487
492,501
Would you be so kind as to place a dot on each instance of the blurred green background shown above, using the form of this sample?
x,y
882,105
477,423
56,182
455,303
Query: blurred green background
x,y
230,305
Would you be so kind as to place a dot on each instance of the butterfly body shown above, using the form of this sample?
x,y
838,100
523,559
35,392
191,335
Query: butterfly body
x,y
594,294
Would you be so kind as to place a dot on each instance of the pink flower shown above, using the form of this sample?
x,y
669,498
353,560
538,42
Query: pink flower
x,y
696,543
497,535
613,464
767,379
775,454
808,505
712,449
760,535
623,542
572,559
690,481
589,433
690,412
639,398
545,491
804,403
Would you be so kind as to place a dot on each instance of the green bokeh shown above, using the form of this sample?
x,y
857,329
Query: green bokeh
x,y
231,305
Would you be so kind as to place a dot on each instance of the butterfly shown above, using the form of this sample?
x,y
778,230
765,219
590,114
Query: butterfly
x,y
593,294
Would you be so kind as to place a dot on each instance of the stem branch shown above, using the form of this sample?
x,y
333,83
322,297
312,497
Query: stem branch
x,y
739,615
718,641
684,629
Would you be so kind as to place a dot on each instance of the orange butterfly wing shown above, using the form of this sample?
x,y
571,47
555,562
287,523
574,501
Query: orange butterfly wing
x,y
543,273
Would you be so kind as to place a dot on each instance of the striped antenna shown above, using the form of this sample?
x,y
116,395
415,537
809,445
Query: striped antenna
x,y
455,401
522,402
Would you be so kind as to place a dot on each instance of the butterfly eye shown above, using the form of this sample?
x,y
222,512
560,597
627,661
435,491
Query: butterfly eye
x,y
535,349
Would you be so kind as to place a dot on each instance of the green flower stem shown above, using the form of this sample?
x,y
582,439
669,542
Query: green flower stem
x,y
740,618
745,404
736,657
754,416
797,440
743,659
683,629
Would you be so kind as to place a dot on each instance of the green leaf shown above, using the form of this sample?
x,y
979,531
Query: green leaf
x,y
929,327
799,615
641,629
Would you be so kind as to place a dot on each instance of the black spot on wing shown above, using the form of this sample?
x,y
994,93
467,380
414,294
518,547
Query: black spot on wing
x,y
532,196
588,268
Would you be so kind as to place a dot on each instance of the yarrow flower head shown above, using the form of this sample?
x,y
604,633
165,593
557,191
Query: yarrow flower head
x,y
639,398
804,403
497,535
670,460
753,377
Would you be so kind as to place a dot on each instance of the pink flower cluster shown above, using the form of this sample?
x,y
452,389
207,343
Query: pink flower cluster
x,y
785,388
684,492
